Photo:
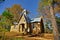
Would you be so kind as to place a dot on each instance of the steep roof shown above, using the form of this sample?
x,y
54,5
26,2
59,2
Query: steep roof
x,y
26,17
28,20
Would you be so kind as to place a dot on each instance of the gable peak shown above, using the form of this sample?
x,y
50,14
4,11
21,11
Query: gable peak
x,y
24,12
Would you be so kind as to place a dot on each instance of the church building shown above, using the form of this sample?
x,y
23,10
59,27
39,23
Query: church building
x,y
27,25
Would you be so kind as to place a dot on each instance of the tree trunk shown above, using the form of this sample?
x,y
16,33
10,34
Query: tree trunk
x,y
54,24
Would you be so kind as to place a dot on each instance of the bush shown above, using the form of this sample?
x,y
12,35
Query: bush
x,y
3,29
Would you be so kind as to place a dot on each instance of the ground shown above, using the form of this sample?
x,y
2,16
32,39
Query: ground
x,y
17,36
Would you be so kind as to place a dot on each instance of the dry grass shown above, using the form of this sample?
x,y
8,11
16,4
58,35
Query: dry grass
x,y
48,36
14,35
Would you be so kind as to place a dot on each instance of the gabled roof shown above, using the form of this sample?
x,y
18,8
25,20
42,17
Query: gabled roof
x,y
36,19
26,17
28,20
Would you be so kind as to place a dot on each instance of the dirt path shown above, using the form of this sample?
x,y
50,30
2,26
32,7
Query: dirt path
x,y
34,38
26,37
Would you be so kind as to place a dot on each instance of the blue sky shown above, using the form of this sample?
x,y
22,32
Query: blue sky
x,y
30,5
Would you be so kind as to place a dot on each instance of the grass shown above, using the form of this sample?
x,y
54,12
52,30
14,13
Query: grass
x,y
13,38
9,36
17,36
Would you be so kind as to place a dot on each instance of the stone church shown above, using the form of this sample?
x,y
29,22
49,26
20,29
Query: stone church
x,y
27,25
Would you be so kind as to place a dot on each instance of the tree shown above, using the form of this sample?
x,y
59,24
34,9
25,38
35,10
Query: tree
x,y
48,27
10,15
58,22
6,20
2,0
16,11
51,4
